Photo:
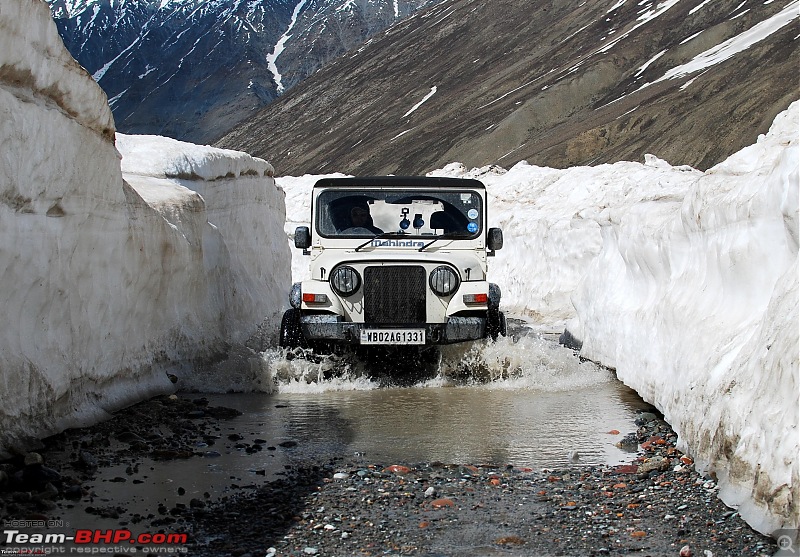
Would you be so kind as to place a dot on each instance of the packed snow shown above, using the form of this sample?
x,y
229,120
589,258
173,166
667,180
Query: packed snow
x,y
685,282
116,267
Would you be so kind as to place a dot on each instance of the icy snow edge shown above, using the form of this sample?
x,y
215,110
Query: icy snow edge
x,y
696,307
163,157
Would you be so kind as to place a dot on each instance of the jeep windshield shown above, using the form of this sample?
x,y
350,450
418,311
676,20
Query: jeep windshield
x,y
367,213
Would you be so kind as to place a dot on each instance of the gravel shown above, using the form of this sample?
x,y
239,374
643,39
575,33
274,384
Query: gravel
x,y
338,506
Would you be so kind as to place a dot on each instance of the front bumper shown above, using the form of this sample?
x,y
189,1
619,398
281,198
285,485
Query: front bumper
x,y
335,328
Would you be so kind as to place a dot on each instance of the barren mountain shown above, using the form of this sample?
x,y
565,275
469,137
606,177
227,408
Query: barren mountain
x,y
553,82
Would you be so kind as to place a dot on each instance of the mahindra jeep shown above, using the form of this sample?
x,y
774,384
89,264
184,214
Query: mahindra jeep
x,y
395,261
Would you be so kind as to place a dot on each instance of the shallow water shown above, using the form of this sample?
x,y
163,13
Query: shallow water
x,y
470,424
525,401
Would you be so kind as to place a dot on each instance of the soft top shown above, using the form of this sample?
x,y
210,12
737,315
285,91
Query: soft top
x,y
400,181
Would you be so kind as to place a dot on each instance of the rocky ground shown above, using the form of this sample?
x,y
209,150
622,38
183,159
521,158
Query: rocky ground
x,y
343,507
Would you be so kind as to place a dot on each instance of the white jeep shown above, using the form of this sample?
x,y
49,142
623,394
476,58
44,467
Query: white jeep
x,y
395,261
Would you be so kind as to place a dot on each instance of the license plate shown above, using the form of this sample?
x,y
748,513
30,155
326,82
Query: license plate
x,y
392,336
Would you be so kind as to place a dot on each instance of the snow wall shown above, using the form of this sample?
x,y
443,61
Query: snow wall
x,y
108,280
687,284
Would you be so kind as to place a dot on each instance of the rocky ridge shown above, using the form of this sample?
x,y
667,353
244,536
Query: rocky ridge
x,y
557,84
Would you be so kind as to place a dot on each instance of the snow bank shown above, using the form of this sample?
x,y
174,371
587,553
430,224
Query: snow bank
x,y
551,224
229,215
34,62
696,306
687,284
105,285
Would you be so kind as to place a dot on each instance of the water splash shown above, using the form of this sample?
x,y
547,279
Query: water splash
x,y
526,362
302,371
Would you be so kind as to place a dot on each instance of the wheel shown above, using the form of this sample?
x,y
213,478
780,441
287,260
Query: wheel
x,y
495,324
495,319
291,334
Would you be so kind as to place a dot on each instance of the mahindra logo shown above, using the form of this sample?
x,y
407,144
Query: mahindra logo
x,y
397,243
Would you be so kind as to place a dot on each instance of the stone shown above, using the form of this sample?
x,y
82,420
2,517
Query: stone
x,y
33,459
510,540
626,469
87,460
644,418
655,463
629,442
397,469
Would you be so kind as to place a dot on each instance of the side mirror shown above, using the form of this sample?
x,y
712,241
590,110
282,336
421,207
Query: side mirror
x,y
302,238
494,240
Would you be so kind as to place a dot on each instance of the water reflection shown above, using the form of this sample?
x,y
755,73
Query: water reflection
x,y
474,424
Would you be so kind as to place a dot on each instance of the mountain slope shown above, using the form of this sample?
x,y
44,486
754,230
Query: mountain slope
x,y
193,69
554,82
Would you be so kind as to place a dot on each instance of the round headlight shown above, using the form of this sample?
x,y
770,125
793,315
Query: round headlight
x,y
345,281
444,281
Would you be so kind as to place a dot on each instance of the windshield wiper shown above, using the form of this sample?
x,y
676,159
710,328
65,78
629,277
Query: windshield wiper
x,y
447,236
378,237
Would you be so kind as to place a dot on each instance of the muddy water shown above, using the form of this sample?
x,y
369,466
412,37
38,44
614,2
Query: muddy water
x,y
524,401
465,424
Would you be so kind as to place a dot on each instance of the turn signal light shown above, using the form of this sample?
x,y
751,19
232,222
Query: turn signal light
x,y
476,298
314,298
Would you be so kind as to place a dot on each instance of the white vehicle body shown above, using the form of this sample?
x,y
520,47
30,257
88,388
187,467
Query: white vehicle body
x,y
396,261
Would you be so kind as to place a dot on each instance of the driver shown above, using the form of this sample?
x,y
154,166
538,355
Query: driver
x,y
360,218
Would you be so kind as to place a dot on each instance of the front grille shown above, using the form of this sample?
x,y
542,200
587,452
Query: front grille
x,y
394,294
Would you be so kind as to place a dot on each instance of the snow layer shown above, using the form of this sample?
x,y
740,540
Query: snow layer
x,y
552,219
33,61
696,306
107,285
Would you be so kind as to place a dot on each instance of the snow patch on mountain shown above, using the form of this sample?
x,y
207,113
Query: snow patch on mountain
x,y
727,49
425,99
281,45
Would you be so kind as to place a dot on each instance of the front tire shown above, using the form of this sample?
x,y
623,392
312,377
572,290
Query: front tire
x,y
291,334
495,324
